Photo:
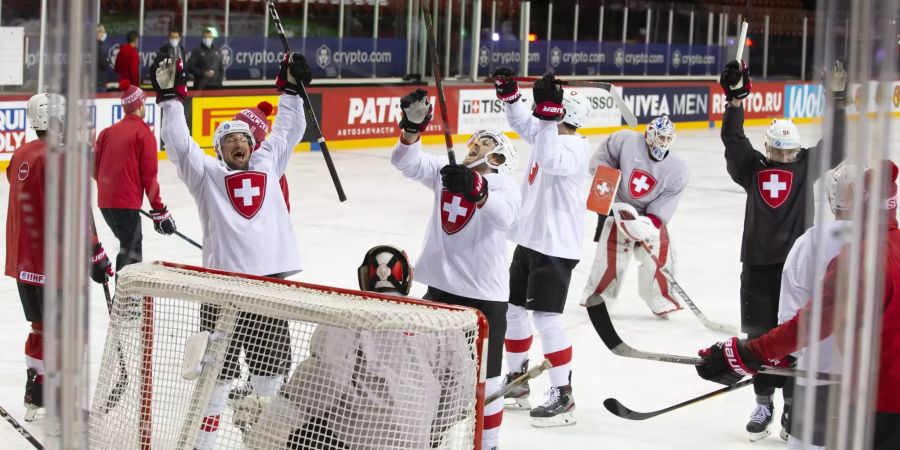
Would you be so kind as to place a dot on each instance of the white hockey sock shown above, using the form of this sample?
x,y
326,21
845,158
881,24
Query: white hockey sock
x,y
206,438
493,415
518,338
556,345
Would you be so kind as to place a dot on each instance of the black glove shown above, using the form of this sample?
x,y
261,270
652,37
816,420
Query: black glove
x,y
718,366
735,80
417,112
506,86
548,98
463,180
168,78
101,268
163,222
294,71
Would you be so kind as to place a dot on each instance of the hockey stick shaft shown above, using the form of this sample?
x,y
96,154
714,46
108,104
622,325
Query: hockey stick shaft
x,y
116,394
176,233
307,106
741,40
15,424
438,81
532,373
627,114
620,410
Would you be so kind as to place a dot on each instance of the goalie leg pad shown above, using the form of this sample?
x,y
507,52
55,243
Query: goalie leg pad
x,y
653,286
610,263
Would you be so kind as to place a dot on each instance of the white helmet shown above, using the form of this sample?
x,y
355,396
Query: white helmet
x,y
659,136
232,126
42,107
502,147
782,135
578,108
839,186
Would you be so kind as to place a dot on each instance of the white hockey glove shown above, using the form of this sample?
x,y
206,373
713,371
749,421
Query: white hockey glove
x,y
838,83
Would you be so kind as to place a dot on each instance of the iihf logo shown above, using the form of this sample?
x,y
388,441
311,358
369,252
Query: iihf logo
x,y
620,57
226,56
484,56
555,56
323,56
676,58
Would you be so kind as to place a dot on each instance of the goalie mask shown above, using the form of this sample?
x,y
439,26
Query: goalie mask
x,y
385,269
782,141
493,149
659,136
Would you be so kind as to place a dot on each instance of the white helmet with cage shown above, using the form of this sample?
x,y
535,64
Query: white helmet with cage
x,y
578,108
782,141
229,127
839,186
503,149
42,107
659,136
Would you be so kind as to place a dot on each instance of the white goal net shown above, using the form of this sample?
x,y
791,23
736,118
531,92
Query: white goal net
x,y
188,349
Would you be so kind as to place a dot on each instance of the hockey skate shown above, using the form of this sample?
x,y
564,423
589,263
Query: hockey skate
x,y
785,423
34,397
557,411
517,398
758,426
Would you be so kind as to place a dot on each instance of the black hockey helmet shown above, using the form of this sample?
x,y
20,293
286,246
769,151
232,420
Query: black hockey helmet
x,y
384,269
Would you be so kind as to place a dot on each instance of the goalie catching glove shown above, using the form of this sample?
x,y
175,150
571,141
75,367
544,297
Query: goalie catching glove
x,y
636,226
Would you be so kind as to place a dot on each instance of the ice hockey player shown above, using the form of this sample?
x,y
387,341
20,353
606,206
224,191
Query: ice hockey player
x,y
746,356
778,184
244,229
257,119
652,183
25,235
548,236
125,167
463,260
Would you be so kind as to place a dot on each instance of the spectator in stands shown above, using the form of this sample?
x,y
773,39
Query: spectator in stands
x,y
103,64
205,64
173,46
128,61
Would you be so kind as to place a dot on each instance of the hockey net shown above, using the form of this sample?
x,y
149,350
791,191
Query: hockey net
x,y
350,369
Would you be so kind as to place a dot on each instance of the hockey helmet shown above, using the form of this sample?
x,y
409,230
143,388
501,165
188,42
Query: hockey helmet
x,y
502,148
839,186
782,141
42,107
230,127
578,108
660,135
385,268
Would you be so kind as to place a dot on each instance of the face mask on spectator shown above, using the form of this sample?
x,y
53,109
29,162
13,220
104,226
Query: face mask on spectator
x,y
207,42
102,37
173,42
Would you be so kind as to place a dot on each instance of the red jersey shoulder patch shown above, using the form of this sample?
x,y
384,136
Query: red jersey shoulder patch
x,y
640,183
532,174
774,186
24,170
456,212
247,191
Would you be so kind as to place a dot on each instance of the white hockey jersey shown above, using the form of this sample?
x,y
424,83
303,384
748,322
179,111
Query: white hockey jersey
x,y
246,226
798,280
465,246
652,187
554,191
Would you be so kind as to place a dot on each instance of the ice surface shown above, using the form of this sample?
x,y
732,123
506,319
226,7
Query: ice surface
x,y
385,208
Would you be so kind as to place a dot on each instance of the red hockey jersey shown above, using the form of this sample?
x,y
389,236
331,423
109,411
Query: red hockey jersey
x,y
25,214
126,164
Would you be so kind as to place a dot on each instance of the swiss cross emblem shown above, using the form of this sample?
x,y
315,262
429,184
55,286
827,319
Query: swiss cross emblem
x,y
456,212
640,183
774,186
247,191
532,174
602,189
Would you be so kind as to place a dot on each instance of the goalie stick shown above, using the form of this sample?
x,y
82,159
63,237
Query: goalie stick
x,y
15,424
438,81
627,115
522,379
618,409
119,388
176,233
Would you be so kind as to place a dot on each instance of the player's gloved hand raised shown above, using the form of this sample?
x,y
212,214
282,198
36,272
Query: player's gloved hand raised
x,y
417,112
163,222
838,84
548,98
735,80
293,72
463,180
168,78
506,87
101,268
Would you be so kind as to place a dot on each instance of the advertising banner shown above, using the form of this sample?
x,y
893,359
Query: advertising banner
x,y
689,102
208,112
765,101
803,100
367,113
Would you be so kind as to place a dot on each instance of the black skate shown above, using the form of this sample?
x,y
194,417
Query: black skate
x,y
557,411
758,426
786,422
517,398
34,396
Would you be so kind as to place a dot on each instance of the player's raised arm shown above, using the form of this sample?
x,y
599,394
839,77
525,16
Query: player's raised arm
x,y
517,114
407,155
290,122
739,152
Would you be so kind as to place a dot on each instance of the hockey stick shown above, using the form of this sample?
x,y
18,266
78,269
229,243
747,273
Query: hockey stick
x,y
617,408
177,233
438,81
741,40
714,326
603,325
307,106
116,393
15,424
533,372
627,115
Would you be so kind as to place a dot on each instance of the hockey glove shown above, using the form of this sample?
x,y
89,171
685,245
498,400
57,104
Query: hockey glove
x,y
101,268
506,86
838,82
728,361
548,99
163,222
168,78
294,71
463,180
417,112
735,80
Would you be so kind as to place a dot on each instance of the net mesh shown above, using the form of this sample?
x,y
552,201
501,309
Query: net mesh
x,y
287,365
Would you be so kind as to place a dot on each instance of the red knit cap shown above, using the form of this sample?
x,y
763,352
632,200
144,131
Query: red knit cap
x,y
257,119
132,96
888,197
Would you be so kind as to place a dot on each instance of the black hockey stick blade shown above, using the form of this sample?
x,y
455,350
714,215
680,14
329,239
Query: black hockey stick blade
x,y
15,424
618,409
177,233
